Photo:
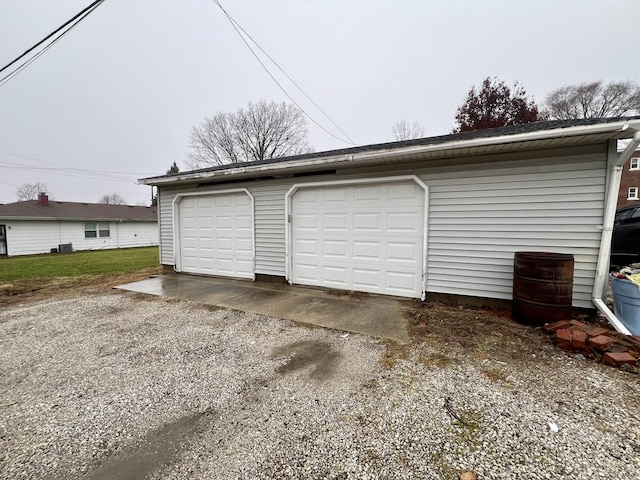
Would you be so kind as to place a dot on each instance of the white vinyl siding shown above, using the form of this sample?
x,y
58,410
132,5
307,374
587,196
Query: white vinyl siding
x,y
479,216
479,219
270,228
27,237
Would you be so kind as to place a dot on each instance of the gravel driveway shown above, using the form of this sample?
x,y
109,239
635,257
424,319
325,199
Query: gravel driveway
x,y
126,386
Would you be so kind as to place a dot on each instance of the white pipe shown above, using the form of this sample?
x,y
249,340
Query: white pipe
x,y
607,232
629,151
613,320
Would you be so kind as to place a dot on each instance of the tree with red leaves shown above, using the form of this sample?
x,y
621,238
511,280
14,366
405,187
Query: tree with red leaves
x,y
495,104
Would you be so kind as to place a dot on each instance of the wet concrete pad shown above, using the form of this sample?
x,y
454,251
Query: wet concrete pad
x,y
378,316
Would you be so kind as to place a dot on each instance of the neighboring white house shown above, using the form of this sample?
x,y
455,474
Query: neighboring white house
x,y
443,214
43,225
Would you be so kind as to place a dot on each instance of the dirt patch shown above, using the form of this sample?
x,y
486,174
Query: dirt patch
x,y
482,333
320,357
35,289
158,448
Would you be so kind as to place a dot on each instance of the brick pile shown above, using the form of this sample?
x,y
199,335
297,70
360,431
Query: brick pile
x,y
605,345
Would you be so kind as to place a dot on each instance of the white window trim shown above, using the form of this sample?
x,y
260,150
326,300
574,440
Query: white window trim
x,y
637,163
97,230
176,223
360,181
633,196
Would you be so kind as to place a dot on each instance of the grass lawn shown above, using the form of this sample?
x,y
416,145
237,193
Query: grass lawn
x,y
77,264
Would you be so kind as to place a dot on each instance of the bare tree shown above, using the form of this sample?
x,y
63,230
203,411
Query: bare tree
x,y
407,131
113,199
30,191
262,130
594,100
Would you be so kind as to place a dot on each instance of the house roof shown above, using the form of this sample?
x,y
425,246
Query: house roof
x,y
535,135
55,210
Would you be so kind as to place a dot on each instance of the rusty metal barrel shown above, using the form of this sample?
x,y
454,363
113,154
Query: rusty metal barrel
x,y
542,287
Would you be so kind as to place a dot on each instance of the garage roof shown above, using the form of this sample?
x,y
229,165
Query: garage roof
x,y
530,136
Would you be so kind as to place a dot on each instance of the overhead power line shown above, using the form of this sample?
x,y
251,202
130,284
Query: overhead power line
x,y
239,30
71,168
60,32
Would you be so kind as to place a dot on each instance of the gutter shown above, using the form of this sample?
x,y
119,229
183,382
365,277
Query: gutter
x,y
390,153
607,232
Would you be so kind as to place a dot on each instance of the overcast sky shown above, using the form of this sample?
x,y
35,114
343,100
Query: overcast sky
x,y
121,91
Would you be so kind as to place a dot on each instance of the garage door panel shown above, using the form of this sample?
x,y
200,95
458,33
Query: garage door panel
x,y
244,246
333,196
335,248
307,247
402,222
366,278
243,222
401,282
363,237
307,197
334,221
335,275
402,252
400,192
307,273
366,250
366,222
225,245
366,193
216,234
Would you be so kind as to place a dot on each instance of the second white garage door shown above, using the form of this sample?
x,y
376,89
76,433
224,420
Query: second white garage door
x,y
365,237
216,234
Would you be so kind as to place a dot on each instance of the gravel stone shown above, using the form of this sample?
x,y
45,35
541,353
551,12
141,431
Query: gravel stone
x,y
129,386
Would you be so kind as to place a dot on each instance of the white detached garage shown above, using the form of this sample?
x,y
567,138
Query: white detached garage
x,y
434,215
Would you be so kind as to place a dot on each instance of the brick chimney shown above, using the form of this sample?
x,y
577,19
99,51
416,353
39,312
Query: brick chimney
x,y
43,199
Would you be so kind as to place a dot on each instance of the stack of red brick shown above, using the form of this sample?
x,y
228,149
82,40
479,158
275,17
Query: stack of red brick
x,y
603,344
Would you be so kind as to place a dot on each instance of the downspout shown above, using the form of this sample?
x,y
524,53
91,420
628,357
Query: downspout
x,y
607,231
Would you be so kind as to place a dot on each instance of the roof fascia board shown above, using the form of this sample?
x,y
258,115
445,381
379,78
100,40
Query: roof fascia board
x,y
391,153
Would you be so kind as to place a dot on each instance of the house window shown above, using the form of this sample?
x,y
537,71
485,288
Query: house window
x,y
633,193
95,230
3,239
634,164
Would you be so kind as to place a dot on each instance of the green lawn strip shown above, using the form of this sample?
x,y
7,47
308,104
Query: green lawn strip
x,y
100,262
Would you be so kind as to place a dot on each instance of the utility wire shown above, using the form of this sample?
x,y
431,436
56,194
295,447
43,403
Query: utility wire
x,y
71,168
71,23
26,52
53,171
239,30
284,73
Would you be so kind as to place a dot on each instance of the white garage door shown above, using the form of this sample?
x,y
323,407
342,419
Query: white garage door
x,y
366,237
216,234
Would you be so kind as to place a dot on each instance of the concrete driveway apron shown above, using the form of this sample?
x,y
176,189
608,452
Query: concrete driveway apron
x,y
374,315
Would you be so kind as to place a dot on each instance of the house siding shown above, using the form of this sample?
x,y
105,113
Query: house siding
x,y
477,223
480,214
27,237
